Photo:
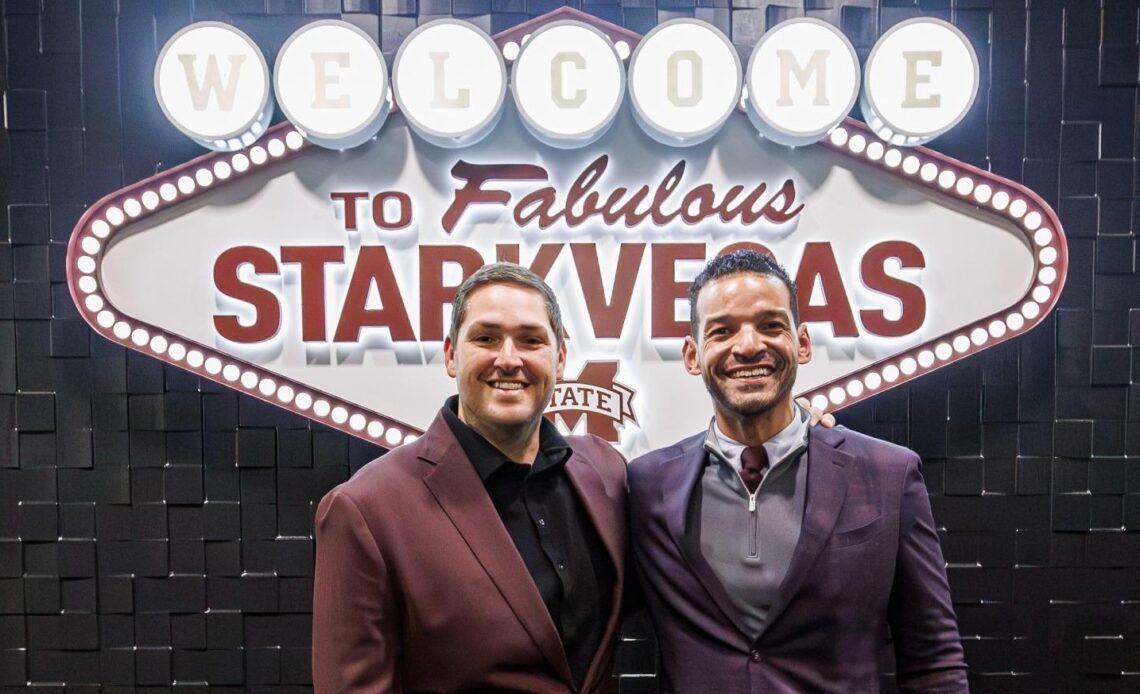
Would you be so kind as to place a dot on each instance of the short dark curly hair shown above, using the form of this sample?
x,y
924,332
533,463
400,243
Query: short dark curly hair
x,y
735,263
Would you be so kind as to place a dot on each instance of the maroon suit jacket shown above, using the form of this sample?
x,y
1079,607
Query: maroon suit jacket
x,y
419,587
867,559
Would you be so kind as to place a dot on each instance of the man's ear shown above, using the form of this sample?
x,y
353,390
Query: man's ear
x,y
804,340
449,355
561,360
690,355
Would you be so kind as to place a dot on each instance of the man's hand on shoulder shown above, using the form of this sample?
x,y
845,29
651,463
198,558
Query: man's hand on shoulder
x,y
817,415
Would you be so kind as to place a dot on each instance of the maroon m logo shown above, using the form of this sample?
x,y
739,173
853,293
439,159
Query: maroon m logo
x,y
595,395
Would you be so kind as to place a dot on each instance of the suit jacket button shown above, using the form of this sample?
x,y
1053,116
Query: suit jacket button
x,y
754,656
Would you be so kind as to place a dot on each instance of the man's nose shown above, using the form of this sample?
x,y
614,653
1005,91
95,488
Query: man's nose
x,y
508,357
748,343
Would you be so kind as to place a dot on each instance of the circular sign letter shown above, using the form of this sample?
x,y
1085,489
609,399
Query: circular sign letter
x,y
450,82
212,83
332,83
803,78
568,83
920,80
684,80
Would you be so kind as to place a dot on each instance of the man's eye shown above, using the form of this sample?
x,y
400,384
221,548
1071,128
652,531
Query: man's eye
x,y
483,339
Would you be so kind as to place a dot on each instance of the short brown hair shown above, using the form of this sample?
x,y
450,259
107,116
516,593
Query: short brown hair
x,y
504,273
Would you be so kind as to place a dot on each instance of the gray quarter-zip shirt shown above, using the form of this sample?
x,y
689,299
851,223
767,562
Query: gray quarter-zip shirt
x,y
748,539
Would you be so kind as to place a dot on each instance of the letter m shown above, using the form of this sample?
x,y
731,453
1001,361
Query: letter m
x,y
210,83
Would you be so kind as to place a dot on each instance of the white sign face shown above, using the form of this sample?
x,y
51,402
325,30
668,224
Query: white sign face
x,y
568,83
212,83
450,82
920,80
803,79
331,81
684,81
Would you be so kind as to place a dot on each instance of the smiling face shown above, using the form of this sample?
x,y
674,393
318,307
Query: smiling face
x,y
747,348
506,360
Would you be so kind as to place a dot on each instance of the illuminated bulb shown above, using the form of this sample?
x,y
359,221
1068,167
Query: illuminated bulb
x,y
839,137
908,366
510,50
965,186
204,177
115,216
86,264
258,155
393,437
943,350
893,158
820,402
946,179
132,207
1048,255
978,336
240,162
285,394
410,438
231,372
186,185
928,172
100,228
213,366
339,415
1015,321
873,380
961,343
294,140
1042,237
1032,220
1017,208
195,358
997,329
249,380
925,358
356,422
303,401
525,38
222,170
1047,275
158,344
168,192
276,147
89,244
622,49
836,395
890,373
375,429
94,303
321,408
857,143
150,199
140,337
266,387
88,284
854,388
1001,200
1041,294
1030,310
875,151
122,330
105,319
177,351
982,193
911,164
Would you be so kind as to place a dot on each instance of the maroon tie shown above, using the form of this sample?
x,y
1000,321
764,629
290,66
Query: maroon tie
x,y
753,461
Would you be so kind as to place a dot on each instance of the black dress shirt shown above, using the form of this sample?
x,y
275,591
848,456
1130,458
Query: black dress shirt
x,y
551,531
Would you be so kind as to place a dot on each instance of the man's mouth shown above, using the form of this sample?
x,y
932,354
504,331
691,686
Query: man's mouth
x,y
754,372
507,385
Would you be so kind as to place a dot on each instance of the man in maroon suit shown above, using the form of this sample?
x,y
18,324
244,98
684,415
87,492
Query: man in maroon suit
x,y
776,557
488,555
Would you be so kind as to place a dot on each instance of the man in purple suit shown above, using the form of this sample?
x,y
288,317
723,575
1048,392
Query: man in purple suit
x,y
776,557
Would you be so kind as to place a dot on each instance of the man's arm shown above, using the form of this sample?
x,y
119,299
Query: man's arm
x,y
356,642
928,650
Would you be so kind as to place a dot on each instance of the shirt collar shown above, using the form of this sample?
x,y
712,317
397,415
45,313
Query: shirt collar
x,y
784,446
553,450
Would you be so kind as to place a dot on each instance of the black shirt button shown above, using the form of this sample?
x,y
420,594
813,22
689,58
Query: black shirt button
x,y
542,522
754,656
561,566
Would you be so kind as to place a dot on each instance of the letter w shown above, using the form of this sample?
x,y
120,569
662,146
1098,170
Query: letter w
x,y
211,82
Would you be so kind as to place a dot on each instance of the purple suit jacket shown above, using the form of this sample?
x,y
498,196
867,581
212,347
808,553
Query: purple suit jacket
x,y
867,559
419,587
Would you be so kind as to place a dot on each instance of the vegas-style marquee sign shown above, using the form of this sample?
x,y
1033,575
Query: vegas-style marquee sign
x,y
320,279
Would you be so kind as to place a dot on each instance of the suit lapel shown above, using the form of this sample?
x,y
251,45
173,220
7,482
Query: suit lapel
x,y
456,486
828,467
680,478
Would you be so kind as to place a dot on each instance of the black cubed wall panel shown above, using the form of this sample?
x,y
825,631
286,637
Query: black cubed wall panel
x,y
157,528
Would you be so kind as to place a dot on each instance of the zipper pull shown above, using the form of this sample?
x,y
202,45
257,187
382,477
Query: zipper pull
x,y
752,503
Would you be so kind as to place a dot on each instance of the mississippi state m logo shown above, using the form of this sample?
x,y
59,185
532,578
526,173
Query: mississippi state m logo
x,y
595,396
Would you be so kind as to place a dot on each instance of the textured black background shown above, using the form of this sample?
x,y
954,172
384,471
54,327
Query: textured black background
x,y
155,530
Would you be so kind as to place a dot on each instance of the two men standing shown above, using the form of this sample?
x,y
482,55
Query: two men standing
x,y
490,554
